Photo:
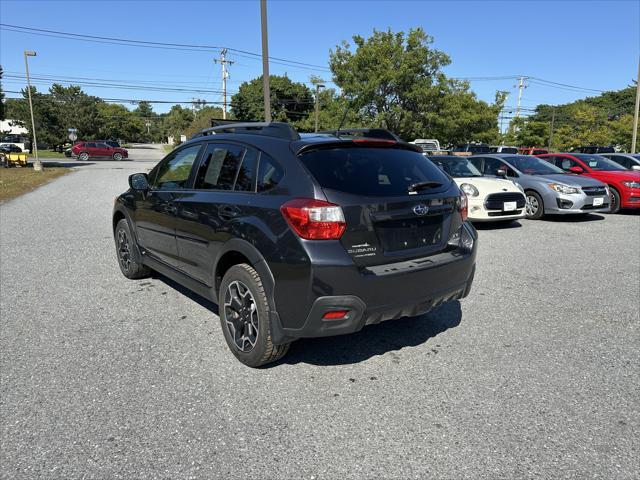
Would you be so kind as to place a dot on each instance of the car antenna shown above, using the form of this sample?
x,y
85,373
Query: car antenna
x,y
344,117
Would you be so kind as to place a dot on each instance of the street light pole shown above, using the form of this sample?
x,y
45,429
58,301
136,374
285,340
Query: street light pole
x,y
634,136
37,166
265,62
318,87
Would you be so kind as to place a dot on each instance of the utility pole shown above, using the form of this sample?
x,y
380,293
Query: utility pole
x,y
225,74
521,87
553,120
265,61
318,87
634,136
37,166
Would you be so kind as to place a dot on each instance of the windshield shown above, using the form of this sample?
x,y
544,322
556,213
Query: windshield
x,y
599,163
371,171
457,167
531,165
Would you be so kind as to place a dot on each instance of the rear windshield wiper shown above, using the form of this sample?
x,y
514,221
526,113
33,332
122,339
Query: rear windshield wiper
x,y
414,187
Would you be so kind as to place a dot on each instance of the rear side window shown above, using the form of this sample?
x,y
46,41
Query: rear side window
x,y
219,167
269,173
371,171
90,145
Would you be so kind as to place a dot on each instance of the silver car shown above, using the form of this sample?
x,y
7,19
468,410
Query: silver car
x,y
548,189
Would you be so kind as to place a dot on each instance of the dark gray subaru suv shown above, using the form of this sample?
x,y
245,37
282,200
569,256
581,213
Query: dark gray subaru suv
x,y
298,236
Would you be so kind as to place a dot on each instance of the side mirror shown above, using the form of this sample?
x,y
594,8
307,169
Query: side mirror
x,y
139,182
501,172
576,169
635,167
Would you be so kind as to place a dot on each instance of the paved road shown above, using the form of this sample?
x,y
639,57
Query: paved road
x,y
534,375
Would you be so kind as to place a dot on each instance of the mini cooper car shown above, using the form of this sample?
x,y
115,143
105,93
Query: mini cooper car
x,y
490,199
549,190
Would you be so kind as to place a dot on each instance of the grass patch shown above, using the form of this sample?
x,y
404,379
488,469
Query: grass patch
x,y
167,148
48,154
17,181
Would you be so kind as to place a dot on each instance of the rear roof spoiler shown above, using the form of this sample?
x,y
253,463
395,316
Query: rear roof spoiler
x,y
380,133
269,129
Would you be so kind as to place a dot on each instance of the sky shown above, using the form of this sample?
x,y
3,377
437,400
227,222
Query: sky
x,y
592,45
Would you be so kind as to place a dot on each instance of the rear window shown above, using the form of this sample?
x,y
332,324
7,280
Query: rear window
x,y
371,171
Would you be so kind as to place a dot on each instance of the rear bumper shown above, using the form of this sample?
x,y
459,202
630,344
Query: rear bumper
x,y
377,294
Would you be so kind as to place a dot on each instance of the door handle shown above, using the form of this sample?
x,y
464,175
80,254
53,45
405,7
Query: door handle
x,y
228,211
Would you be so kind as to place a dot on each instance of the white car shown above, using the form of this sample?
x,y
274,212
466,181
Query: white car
x,y
490,199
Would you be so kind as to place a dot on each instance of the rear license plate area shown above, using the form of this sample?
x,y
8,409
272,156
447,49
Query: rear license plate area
x,y
404,234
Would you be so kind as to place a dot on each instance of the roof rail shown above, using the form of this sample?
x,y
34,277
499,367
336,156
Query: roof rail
x,y
269,129
364,132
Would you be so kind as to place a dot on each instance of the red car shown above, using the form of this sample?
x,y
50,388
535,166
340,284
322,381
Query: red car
x,y
86,150
532,151
624,185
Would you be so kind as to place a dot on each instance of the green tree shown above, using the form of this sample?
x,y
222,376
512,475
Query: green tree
x,y
203,119
117,122
290,101
396,81
177,121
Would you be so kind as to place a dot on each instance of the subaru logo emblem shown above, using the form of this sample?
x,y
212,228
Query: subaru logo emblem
x,y
420,209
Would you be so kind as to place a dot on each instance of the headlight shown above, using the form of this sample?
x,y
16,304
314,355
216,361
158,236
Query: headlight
x,y
518,185
469,189
631,184
561,188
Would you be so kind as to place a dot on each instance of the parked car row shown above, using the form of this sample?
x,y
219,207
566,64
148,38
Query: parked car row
x,y
508,187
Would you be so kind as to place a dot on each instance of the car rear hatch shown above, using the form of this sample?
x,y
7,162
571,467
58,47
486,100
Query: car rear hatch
x,y
397,204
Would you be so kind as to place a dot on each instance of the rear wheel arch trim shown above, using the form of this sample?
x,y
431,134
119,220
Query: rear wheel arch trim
x,y
258,262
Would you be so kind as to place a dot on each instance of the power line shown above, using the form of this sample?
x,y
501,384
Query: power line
x,y
152,44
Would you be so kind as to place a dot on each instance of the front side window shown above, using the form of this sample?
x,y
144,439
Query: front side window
x,y
492,165
219,167
566,163
174,172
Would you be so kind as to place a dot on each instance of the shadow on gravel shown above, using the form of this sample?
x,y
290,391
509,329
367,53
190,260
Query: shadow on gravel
x,y
203,302
373,340
61,164
499,225
587,217
385,337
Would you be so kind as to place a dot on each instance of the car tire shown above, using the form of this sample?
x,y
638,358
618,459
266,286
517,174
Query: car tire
x,y
117,156
83,156
534,208
244,317
614,200
128,254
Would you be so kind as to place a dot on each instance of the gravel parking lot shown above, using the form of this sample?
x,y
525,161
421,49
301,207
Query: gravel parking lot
x,y
534,375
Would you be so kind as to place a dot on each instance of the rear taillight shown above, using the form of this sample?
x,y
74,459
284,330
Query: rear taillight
x,y
314,219
463,206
